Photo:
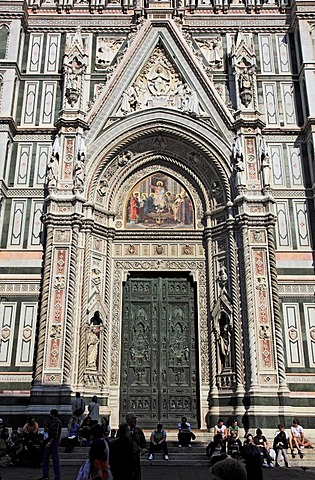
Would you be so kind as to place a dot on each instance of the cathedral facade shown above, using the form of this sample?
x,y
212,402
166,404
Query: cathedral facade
x,y
157,209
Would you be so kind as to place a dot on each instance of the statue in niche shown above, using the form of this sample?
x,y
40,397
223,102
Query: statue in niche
x,y
223,335
79,167
222,277
265,163
53,165
92,342
216,192
239,166
245,82
74,71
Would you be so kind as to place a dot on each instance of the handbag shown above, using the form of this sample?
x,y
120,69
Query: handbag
x,y
84,471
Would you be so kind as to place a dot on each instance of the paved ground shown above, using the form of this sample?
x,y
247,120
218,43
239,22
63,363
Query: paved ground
x,y
160,473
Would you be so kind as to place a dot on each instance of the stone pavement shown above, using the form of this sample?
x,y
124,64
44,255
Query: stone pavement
x,y
160,472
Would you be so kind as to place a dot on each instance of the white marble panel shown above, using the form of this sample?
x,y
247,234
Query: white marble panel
x,y
301,223
27,329
293,336
283,227
7,324
309,314
35,53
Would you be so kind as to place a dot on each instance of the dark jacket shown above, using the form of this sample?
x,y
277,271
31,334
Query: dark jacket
x,y
121,459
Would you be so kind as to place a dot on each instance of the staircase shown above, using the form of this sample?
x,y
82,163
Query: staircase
x,y
196,455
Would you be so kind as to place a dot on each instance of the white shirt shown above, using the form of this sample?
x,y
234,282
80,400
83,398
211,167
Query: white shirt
x,y
94,411
220,430
297,431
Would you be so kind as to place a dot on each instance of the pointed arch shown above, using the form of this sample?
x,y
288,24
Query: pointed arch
x,y
4,36
194,149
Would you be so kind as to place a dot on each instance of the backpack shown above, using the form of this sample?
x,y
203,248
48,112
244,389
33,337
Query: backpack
x,y
158,435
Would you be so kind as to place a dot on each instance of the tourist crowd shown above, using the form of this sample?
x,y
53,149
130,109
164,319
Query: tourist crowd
x,y
33,446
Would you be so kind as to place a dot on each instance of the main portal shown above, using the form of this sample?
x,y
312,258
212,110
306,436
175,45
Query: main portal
x,y
159,355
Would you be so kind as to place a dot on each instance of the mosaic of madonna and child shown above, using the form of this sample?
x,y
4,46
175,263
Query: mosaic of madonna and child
x,y
159,201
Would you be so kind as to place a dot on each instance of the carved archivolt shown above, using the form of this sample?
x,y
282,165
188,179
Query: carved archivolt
x,y
204,183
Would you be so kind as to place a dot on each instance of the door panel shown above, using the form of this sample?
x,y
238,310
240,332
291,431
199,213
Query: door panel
x,y
158,368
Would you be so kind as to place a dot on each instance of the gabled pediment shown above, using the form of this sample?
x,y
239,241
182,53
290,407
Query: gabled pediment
x,y
159,70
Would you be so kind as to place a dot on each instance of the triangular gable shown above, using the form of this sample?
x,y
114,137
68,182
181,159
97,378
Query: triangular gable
x,y
159,70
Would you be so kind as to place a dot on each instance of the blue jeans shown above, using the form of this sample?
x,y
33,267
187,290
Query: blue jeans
x,y
52,449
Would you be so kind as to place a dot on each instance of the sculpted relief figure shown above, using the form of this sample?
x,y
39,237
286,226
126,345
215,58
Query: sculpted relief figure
x,y
212,50
129,100
79,167
92,342
158,84
73,71
159,80
265,163
106,50
239,166
53,165
245,82
222,333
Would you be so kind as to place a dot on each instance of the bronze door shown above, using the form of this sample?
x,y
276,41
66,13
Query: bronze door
x,y
158,367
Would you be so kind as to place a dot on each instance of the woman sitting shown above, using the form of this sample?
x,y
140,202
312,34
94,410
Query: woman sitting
x,y
72,438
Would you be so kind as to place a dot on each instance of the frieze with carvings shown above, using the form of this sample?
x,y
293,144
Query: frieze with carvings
x,y
11,288
304,289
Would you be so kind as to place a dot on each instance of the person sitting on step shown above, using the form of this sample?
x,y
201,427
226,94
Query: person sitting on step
x,y
158,441
185,435
298,439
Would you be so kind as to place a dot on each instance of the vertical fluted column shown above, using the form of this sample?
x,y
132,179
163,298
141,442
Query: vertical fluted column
x,y
250,310
238,340
44,307
276,309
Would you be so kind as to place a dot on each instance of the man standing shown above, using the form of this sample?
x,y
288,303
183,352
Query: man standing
x,y
52,446
138,442
78,406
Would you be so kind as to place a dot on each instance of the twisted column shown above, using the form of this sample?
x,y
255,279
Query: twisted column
x,y
41,339
107,290
212,344
250,309
276,308
238,343
84,305
69,319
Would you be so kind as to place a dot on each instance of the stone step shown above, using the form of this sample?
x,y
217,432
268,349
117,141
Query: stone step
x,y
178,456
